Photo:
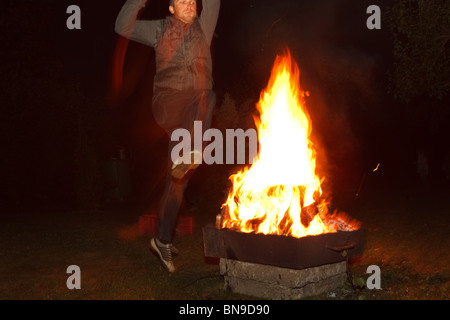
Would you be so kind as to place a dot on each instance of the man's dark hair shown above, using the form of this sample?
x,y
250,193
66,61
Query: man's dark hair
x,y
171,2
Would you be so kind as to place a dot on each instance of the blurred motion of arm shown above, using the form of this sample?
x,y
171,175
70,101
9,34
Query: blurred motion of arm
x,y
129,27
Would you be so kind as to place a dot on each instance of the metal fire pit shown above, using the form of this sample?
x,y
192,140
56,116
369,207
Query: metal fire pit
x,y
283,251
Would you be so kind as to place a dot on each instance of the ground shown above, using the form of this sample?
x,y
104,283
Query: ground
x,y
407,237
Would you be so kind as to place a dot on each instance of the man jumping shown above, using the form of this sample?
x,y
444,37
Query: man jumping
x,y
182,92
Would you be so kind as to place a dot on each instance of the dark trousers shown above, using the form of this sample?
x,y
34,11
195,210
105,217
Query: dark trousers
x,y
173,110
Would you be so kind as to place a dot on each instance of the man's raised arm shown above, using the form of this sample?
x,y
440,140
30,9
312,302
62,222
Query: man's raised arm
x,y
208,17
129,27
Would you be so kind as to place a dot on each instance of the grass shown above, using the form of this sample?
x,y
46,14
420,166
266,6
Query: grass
x,y
407,237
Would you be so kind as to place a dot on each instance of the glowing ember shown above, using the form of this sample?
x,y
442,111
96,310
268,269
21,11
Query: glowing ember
x,y
280,193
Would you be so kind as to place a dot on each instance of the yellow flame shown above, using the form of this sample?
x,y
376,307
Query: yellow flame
x,y
269,196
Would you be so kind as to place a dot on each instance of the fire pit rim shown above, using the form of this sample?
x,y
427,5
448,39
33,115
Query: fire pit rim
x,y
283,251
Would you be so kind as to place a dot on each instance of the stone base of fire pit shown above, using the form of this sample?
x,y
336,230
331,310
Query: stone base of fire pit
x,y
270,282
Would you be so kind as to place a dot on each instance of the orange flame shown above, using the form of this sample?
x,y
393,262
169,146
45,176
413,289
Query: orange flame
x,y
269,196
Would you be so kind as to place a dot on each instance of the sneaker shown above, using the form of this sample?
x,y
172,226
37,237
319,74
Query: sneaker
x,y
181,166
164,252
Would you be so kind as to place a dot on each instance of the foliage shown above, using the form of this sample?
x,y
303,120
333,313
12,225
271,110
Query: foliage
x,y
421,40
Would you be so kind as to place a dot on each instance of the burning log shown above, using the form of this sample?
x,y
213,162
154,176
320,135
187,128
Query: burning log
x,y
308,213
342,221
337,220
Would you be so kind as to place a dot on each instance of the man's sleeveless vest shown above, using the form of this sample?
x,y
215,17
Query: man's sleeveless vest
x,y
183,57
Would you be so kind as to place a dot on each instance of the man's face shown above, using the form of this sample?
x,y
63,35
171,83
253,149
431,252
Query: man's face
x,y
184,10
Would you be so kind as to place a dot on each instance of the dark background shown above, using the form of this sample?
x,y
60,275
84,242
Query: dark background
x,y
63,117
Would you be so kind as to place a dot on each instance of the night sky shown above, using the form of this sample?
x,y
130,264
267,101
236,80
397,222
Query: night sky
x,y
62,119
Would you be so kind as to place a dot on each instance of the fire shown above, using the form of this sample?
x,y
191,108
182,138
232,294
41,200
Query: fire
x,y
280,193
